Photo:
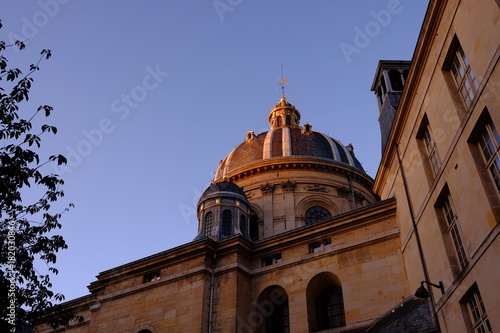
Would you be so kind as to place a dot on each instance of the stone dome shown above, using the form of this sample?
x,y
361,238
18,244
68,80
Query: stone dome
x,y
223,211
223,189
287,140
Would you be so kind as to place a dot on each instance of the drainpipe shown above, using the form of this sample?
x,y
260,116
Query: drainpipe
x,y
417,238
212,282
354,206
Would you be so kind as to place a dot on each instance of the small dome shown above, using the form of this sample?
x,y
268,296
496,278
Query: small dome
x,y
223,211
223,189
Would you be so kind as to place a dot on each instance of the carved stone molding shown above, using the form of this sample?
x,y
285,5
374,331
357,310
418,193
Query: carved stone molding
x,y
288,186
316,188
343,191
268,188
359,197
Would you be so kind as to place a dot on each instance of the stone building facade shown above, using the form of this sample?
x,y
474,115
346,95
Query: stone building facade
x,y
445,133
294,236
291,238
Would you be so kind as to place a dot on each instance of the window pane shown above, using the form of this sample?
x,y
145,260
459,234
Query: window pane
x,y
464,77
454,231
477,311
209,224
457,69
486,145
493,130
489,143
462,55
316,213
472,78
331,310
227,223
495,171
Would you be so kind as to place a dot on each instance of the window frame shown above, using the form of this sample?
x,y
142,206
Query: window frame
x,y
209,224
331,313
451,228
226,223
431,148
321,245
454,231
489,140
459,68
477,315
311,217
272,260
428,150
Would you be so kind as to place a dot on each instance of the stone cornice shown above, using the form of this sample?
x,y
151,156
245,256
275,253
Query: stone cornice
x,y
341,223
278,164
201,248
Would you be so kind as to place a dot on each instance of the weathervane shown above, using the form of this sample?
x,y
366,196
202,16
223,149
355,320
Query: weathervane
x,y
283,82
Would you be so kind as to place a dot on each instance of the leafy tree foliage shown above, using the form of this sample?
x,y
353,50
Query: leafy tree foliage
x,y
27,226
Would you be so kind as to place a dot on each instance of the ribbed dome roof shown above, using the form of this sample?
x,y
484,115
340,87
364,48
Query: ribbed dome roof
x,y
286,139
287,143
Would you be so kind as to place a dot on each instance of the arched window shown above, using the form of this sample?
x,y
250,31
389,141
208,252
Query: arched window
x,y
277,320
396,82
330,306
243,225
278,121
325,304
288,119
144,331
227,223
316,213
209,224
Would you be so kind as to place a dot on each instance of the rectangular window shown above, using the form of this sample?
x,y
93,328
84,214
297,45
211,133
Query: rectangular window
x,y
272,260
151,277
477,313
489,142
454,231
430,145
428,150
320,245
464,77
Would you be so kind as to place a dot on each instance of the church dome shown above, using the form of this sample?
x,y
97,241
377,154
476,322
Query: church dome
x,y
287,140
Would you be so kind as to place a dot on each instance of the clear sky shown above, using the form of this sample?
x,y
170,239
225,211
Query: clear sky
x,y
149,96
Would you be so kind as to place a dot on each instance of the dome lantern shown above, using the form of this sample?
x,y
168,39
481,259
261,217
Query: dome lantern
x,y
284,115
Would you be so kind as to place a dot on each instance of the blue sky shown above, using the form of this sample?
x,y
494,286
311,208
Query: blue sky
x,y
148,96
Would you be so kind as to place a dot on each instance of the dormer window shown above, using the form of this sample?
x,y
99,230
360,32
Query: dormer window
x,y
307,129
